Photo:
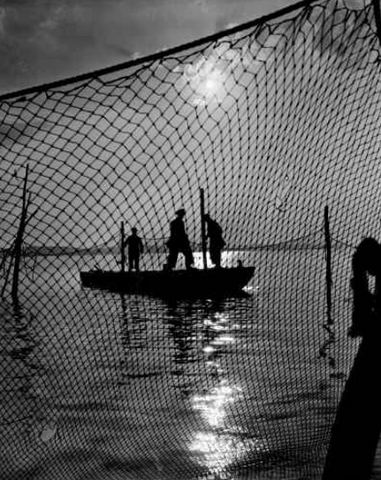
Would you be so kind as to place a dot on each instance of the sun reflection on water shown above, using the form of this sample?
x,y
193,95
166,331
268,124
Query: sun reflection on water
x,y
212,405
218,446
218,450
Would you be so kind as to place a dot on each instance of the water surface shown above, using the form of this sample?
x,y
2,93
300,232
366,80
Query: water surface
x,y
107,386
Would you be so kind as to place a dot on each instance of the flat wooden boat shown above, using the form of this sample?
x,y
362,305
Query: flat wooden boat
x,y
193,282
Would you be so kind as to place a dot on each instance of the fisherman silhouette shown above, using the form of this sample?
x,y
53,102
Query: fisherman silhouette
x,y
135,248
178,242
366,305
357,427
216,242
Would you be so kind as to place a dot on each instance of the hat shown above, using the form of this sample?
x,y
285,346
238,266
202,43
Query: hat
x,y
181,211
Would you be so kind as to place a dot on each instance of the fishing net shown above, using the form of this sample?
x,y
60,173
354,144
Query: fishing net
x,y
277,121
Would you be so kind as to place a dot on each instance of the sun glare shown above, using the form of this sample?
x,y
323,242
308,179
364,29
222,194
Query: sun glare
x,y
209,88
207,80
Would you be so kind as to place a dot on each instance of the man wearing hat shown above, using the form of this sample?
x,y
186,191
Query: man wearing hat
x,y
178,242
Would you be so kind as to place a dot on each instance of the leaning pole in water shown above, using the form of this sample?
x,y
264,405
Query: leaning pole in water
x,y
17,252
328,266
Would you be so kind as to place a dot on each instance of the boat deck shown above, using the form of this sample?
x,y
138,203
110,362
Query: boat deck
x,y
193,282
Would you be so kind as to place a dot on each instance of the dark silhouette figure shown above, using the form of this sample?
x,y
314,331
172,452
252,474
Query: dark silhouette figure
x,y
178,242
357,426
135,248
366,305
216,242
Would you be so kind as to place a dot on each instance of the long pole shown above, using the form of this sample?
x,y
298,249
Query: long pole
x,y
12,255
19,239
203,233
122,253
328,266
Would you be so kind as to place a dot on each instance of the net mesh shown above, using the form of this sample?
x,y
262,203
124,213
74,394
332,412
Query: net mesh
x,y
275,120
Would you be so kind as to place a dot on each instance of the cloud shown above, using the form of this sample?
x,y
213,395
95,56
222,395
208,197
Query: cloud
x,y
54,18
2,18
46,40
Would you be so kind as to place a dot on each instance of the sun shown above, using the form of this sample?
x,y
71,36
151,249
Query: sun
x,y
206,80
210,87
212,84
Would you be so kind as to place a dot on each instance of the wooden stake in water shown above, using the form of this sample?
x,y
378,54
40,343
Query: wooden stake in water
x,y
328,266
19,239
203,232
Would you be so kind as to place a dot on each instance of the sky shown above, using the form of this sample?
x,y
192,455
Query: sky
x,y
281,123
46,40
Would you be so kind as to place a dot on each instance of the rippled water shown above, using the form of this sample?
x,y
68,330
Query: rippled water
x,y
107,386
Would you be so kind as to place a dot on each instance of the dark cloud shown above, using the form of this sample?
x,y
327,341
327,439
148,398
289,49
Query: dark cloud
x,y
46,40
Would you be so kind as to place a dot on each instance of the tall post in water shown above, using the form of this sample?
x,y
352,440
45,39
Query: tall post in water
x,y
328,266
203,233
122,253
19,239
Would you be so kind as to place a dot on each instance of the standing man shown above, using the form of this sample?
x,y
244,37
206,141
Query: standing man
x,y
216,242
135,248
178,242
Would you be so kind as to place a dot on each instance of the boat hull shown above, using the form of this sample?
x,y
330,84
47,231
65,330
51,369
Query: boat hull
x,y
194,282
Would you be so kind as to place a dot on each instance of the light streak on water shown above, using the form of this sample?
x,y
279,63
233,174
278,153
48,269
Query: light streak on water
x,y
251,289
217,451
212,405
218,446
